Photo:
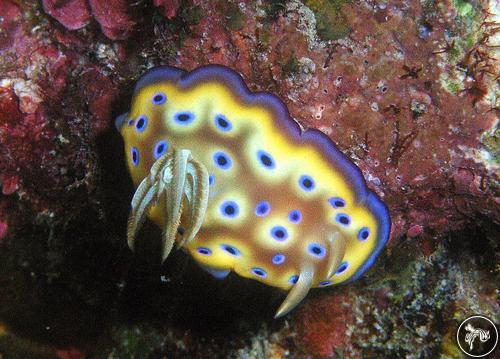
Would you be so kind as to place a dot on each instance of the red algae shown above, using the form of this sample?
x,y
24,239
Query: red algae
x,y
4,227
10,14
113,15
381,103
72,14
100,93
114,18
69,353
170,7
415,231
322,325
26,138
9,184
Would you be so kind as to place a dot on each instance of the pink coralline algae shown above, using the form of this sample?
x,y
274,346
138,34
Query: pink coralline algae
x,y
389,107
114,16
170,7
72,14
99,92
37,134
3,229
24,137
10,16
69,353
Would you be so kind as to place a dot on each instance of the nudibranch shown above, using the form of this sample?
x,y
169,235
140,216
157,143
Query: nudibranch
x,y
232,179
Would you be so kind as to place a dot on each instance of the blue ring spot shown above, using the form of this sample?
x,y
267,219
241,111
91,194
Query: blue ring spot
x,y
184,118
279,233
306,183
204,251
337,202
160,149
342,268
222,160
159,98
278,259
259,272
134,152
266,160
326,282
222,123
211,180
131,122
230,209
293,279
343,219
262,209
363,234
295,216
231,250
316,250
141,124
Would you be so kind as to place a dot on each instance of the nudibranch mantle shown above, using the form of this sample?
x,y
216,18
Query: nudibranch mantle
x,y
257,195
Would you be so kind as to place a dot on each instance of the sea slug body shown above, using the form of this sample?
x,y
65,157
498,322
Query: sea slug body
x,y
230,177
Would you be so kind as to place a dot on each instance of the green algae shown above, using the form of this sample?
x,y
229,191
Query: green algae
x,y
235,18
264,38
136,341
419,293
291,66
331,23
455,52
453,86
461,39
12,346
468,28
272,9
188,15
491,140
464,8
421,298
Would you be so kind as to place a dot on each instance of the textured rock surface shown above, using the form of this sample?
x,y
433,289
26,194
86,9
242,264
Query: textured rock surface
x,y
409,91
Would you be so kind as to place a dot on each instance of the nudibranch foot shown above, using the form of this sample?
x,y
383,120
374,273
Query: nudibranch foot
x,y
304,282
173,178
298,291
337,250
